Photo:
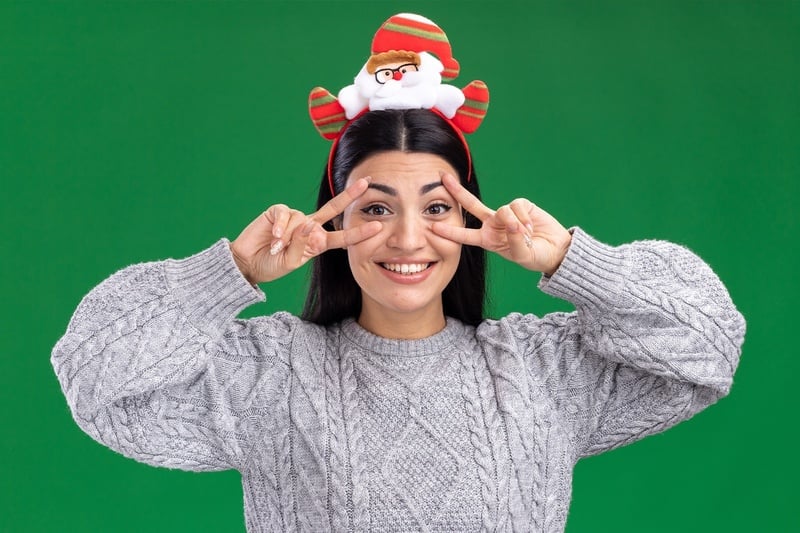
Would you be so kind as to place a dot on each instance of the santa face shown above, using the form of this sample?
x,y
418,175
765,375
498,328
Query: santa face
x,y
400,84
390,74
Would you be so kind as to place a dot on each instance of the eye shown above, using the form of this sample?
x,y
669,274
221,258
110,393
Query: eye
x,y
438,209
375,210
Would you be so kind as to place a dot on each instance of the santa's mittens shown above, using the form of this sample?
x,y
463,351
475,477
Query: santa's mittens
x,y
476,101
326,113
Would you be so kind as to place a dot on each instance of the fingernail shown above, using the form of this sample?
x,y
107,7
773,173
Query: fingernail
x,y
529,225
276,247
277,232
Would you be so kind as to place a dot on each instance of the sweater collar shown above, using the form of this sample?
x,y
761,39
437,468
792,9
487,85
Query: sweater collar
x,y
435,344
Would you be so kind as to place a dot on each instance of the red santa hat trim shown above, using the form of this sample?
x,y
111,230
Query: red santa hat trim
x,y
416,33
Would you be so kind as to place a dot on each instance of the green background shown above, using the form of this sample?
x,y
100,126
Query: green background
x,y
140,131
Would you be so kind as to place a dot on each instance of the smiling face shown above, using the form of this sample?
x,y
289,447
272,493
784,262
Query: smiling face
x,y
403,270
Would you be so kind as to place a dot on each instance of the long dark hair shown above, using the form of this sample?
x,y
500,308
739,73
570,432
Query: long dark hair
x,y
333,292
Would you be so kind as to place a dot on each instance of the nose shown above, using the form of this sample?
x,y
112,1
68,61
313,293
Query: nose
x,y
407,234
397,75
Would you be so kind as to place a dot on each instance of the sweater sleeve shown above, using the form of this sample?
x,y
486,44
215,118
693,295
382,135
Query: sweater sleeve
x,y
654,339
155,365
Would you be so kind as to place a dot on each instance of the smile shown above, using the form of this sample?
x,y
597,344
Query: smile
x,y
406,268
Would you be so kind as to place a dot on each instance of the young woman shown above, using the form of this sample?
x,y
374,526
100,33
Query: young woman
x,y
393,404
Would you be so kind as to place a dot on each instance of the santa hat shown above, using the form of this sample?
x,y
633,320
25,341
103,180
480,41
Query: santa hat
x,y
415,33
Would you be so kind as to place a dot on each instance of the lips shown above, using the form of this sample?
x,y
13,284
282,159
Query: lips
x,y
406,268
407,273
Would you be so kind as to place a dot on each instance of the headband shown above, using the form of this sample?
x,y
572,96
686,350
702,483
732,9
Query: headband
x,y
410,56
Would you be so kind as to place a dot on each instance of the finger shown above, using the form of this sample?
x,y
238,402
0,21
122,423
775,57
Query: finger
x,y
258,233
518,237
351,236
296,220
295,251
542,217
458,234
522,209
336,205
279,215
509,220
467,200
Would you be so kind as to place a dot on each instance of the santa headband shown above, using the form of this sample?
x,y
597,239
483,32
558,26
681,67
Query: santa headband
x,y
410,57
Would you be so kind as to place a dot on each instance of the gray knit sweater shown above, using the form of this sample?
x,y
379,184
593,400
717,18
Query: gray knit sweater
x,y
336,429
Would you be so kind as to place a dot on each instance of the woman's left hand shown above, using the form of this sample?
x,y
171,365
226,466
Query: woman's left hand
x,y
519,231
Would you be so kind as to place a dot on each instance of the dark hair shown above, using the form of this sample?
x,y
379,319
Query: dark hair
x,y
333,293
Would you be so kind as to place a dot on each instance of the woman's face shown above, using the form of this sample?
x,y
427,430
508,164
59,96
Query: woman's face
x,y
403,270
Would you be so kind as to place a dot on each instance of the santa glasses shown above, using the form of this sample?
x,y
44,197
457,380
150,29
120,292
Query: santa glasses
x,y
382,75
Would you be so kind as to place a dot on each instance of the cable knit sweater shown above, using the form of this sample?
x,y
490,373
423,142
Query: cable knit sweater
x,y
336,429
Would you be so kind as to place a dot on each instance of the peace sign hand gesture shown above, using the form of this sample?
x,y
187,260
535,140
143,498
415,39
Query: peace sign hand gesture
x,y
282,239
519,231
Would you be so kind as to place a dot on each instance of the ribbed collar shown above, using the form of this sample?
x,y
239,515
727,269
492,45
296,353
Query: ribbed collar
x,y
435,344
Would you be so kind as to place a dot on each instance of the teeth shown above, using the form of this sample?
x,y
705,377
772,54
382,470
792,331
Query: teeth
x,y
405,268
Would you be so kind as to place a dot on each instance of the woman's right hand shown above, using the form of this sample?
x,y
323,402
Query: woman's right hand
x,y
282,239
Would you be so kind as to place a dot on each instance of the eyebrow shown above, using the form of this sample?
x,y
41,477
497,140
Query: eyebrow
x,y
429,187
391,191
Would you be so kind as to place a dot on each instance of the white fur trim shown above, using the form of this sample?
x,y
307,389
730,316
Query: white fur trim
x,y
449,99
417,18
429,62
351,99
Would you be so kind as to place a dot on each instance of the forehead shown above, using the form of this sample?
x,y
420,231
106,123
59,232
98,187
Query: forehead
x,y
402,169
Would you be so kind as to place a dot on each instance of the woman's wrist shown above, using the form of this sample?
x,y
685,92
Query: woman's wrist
x,y
561,251
242,265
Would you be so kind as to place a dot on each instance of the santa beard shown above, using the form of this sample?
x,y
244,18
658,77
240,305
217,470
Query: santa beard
x,y
415,90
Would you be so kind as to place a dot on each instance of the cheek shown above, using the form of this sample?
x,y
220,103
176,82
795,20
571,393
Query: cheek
x,y
355,260
360,253
445,247
454,249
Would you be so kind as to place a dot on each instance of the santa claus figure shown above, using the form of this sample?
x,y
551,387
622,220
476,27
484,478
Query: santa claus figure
x,y
410,58
401,79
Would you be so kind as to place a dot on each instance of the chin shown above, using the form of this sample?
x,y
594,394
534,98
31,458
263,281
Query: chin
x,y
409,306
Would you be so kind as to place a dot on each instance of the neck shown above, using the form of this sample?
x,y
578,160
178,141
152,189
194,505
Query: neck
x,y
400,325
